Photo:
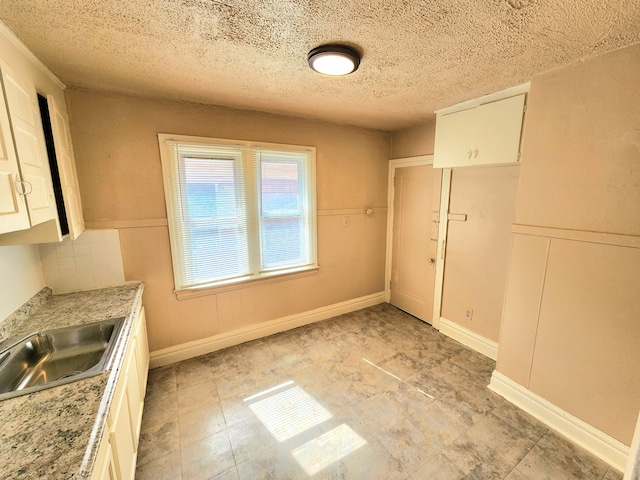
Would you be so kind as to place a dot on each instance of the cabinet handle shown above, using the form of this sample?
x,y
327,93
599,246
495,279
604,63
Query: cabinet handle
x,y
475,153
22,191
20,186
30,187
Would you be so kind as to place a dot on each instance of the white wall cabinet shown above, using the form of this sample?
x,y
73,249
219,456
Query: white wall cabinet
x,y
487,134
28,209
118,450
32,182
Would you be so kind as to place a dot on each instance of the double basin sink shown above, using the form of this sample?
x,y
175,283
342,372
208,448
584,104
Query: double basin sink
x,y
50,358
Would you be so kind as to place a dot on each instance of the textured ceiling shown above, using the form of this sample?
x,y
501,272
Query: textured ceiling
x,y
418,55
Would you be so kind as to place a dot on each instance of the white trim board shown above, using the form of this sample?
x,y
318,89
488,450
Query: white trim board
x,y
633,463
471,339
598,443
492,97
177,353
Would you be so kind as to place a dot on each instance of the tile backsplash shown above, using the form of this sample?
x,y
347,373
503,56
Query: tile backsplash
x,y
93,260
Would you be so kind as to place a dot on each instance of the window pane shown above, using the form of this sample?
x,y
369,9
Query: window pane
x,y
214,224
216,252
282,212
211,189
282,242
280,188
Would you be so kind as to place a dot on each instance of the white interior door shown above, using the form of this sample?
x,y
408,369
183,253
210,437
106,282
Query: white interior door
x,y
416,206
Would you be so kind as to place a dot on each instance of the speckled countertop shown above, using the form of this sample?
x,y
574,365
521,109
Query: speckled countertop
x,y
54,433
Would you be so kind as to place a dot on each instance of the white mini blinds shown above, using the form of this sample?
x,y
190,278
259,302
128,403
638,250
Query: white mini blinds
x,y
238,211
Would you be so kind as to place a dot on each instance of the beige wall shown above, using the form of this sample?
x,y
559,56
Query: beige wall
x,y
20,277
412,141
119,170
478,249
570,330
580,162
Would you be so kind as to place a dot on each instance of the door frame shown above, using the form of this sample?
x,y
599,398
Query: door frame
x,y
445,189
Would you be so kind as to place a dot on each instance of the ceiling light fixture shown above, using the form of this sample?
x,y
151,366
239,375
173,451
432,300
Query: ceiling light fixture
x,y
333,59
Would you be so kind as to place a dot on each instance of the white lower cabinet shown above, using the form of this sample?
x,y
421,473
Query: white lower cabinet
x,y
118,450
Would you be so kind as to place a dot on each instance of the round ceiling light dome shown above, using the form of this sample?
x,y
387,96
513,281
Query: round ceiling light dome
x,y
333,60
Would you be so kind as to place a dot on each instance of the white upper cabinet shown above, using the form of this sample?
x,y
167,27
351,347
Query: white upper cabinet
x,y
22,103
487,134
39,194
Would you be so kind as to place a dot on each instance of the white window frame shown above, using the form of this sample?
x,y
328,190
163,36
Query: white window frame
x,y
167,144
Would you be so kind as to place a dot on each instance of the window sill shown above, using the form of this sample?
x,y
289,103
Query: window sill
x,y
221,287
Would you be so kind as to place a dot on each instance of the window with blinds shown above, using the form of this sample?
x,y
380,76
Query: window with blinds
x,y
238,211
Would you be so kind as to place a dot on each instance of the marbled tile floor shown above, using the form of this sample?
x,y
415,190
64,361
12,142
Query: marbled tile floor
x,y
374,394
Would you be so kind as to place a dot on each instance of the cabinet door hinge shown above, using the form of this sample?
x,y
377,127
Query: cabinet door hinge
x,y
524,108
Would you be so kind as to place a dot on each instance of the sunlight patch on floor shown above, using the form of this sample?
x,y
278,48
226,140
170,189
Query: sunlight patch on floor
x,y
327,449
268,391
289,412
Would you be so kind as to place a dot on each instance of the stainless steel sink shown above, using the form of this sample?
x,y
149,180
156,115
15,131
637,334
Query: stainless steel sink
x,y
55,357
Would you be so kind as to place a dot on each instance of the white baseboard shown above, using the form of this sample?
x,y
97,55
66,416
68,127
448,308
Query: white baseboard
x,y
177,353
598,443
471,339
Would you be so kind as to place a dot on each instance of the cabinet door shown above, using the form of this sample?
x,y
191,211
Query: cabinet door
x,y
133,395
13,208
497,131
67,167
104,467
121,437
454,139
142,350
29,142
